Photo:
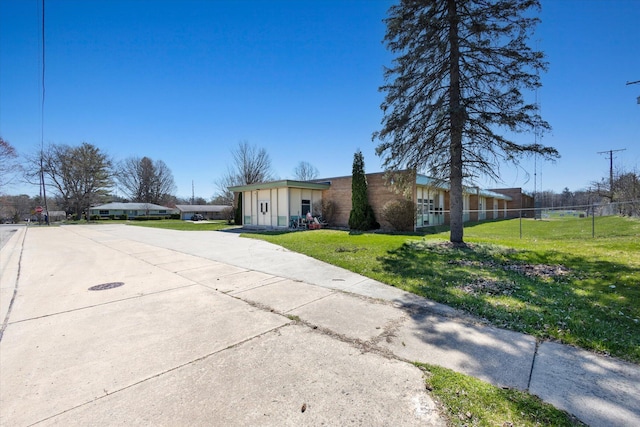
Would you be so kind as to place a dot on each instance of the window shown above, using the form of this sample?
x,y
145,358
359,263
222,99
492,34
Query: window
x,y
162,211
306,206
102,212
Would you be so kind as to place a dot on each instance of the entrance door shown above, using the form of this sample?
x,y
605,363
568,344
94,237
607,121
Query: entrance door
x,y
264,216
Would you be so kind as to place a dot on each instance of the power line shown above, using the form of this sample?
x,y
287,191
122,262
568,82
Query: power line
x,y
610,152
43,187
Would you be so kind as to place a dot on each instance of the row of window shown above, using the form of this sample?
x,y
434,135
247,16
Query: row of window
x,y
107,212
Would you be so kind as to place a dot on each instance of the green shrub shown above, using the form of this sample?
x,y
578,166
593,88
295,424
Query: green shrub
x,y
123,217
400,214
148,218
229,214
329,211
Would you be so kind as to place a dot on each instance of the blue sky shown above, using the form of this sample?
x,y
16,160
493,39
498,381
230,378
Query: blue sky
x,y
185,81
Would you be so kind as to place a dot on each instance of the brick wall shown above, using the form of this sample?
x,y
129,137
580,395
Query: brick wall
x,y
519,201
378,192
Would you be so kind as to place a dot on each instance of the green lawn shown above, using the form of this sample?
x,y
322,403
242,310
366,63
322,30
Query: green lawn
x,y
472,402
556,283
177,224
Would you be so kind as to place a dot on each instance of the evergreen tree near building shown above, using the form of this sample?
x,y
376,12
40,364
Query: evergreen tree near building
x,y
238,213
457,83
361,216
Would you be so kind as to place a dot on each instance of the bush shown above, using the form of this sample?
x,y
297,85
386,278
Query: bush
x,y
401,214
123,217
329,211
112,216
175,216
229,214
148,218
95,217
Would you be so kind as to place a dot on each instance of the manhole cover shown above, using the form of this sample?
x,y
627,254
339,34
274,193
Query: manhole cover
x,y
106,286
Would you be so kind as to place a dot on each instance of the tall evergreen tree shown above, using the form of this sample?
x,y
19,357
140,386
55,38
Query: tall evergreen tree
x,y
455,83
361,216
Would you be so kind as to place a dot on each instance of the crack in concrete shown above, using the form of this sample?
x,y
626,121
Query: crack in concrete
x,y
5,322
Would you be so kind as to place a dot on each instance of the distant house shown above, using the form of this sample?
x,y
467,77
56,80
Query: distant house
x,y
207,211
279,204
57,215
130,210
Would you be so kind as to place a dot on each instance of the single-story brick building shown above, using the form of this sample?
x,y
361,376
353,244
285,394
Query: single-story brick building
x,y
279,204
207,211
118,209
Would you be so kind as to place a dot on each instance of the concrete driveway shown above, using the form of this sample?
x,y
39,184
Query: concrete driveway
x,y
180,339
207,328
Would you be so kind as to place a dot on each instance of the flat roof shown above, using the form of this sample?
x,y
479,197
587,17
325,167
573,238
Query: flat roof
x,y
202,208
286,183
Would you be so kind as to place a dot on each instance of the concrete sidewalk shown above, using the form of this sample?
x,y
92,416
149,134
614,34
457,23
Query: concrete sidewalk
x,y
210,328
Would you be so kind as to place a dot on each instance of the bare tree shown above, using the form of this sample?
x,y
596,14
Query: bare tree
x,y
305,171
627,192
81,175
8,163
250,165
15,208
146,181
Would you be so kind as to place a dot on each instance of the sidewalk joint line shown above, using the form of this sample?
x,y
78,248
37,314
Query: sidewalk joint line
x,y
533,364
159,374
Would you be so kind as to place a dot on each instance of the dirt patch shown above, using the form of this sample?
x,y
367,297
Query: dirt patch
x,y
489,286
539,270
543,271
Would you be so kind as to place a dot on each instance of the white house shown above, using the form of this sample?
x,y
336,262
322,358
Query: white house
x,y
119,209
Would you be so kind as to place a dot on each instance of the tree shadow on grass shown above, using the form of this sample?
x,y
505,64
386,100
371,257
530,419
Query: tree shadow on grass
x,y
590,305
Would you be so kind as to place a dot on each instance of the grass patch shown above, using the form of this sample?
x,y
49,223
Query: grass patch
x,y
177,224
472,402
556,283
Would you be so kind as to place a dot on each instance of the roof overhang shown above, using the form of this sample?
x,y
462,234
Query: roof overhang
x,y
287,183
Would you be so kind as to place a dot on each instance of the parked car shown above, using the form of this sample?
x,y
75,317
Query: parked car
x,y
197,217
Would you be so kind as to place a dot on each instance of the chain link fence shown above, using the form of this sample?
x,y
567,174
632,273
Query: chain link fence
x,y
593,220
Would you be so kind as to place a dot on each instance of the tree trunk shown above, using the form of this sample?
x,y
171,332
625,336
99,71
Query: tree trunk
x,y
457,124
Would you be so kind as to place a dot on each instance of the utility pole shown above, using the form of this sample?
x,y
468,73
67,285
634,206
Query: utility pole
x,y
635,83
610,152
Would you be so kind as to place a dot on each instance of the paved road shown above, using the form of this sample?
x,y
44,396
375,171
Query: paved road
x,y
202,328
6,232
